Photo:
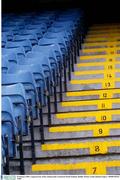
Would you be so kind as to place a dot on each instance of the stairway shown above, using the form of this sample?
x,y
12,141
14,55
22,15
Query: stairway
x,y
85,134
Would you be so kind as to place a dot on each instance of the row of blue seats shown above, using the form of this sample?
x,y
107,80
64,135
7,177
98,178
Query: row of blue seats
x,y
35,64
31,26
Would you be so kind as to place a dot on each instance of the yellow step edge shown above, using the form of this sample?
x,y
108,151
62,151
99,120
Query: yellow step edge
x,y
101,104
107,82
100,116
99,130
94,81
102,93
115,31
109,44
87,57
87,81
104,29
106,39
91,168
111,25
95,32
98,147
92,72
95,50
107,35
102,40
95,64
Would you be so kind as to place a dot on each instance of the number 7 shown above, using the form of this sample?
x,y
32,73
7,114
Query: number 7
x,y
94,170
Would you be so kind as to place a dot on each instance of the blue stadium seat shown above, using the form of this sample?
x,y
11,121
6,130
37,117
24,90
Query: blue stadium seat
x,y
11,60
14,29
52,51
26,44
8,35
17,51
49,73
16,93
9,125
32,37
38,75
28,82
60,43
41,26
32,31
4,66
4,40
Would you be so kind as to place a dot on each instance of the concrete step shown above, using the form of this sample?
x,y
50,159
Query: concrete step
x,y
113,162
78,147
103,145
74,131
87,116
99,165
94,94
84,105
79,85
97,129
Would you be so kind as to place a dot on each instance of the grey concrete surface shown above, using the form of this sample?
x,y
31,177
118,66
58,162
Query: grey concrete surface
x,y
110,171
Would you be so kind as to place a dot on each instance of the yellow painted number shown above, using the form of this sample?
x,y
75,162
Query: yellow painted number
x,y
109,76
100,131
105,95
97,149
103,105
108,84
110,67
94,170
103,118
110,60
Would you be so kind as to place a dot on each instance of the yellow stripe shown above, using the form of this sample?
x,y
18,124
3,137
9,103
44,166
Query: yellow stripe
x,y
93,81
95,32
102,104
100,116
102,93
98,168
102,39
107,25
99,130
98,147
98,56
107,83
95,50
87,81
104,29
109,44
95,64
90,72
107,35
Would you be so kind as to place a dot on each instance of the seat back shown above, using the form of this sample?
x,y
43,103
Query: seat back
x,y
26,44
